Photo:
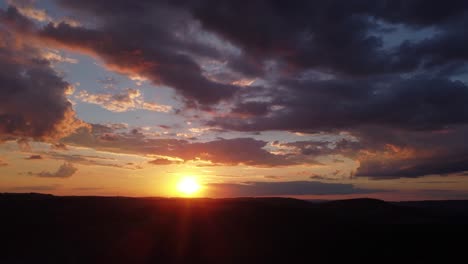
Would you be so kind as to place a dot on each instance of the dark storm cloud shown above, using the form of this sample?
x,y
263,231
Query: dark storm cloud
x,y
285,188
137,38
153,38
320,65
393,154
344,40
303,34
175,70
251,109
333,35
33,101
416,103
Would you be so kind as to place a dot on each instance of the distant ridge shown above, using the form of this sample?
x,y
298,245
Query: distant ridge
x,y
32,195
357,203
42,228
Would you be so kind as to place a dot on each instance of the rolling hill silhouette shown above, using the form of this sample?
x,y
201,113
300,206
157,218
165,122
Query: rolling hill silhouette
x,y
38,228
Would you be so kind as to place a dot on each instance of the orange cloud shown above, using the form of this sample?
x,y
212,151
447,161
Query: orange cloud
x,y
130,99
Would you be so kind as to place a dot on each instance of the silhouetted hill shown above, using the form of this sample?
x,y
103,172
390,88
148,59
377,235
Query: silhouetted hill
x,y
451,207
38,228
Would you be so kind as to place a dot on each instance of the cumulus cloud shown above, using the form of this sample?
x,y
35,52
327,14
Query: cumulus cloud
x,y
128,100
394,154
424,102
65,170
146,44
343,38
33,101
391,73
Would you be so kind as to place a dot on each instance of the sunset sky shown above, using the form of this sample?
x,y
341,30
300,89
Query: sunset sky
x,y
306,99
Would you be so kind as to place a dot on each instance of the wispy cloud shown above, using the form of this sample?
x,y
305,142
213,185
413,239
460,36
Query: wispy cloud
x,y
130,99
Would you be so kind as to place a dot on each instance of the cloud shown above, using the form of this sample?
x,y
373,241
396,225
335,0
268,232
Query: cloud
x,y
245,151
142,43
392,153
55,57
273,177
58,146
343,38
130,99
66,170
236,151
161,161
162,40
251,109
392,74
117,126
26,9
425,102
33,101
378,154
91,160
399,153
34,157
284,188
319,177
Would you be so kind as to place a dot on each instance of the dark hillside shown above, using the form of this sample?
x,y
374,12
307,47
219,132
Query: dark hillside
x,y
39,228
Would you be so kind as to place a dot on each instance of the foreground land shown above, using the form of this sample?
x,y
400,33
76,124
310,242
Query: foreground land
x,y
37,228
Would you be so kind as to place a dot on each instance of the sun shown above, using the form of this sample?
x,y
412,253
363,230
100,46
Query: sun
x,y
188,186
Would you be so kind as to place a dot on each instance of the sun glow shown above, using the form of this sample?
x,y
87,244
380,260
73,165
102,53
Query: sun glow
x,y
188,186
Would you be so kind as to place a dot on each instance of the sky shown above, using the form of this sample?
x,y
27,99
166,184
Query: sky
x,y
306,99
